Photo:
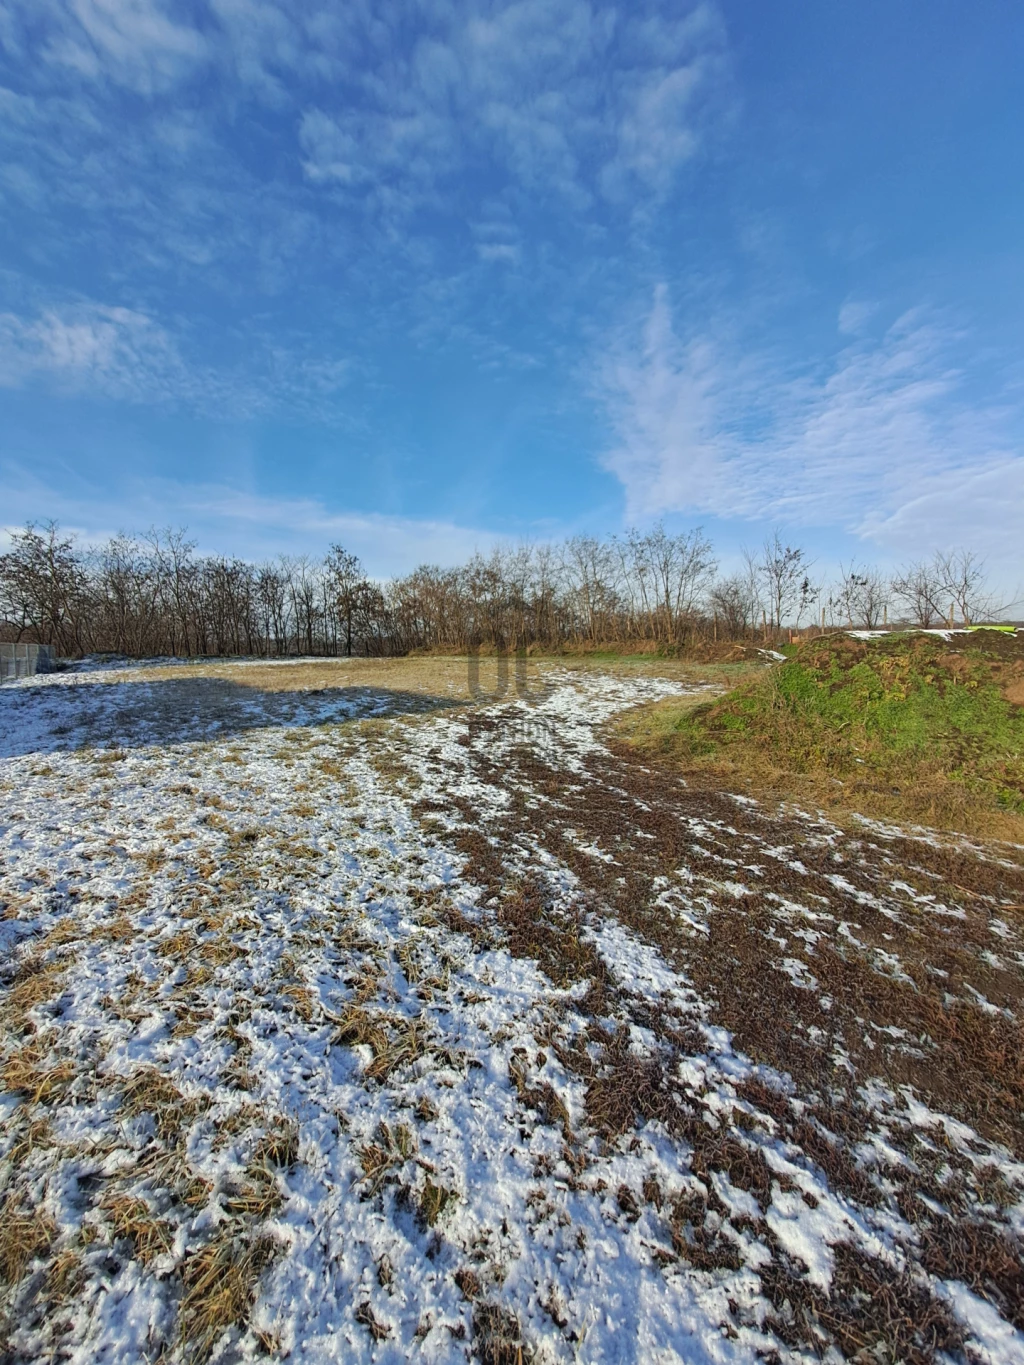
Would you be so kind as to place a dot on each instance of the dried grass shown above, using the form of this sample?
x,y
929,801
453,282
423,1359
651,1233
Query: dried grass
x,y
27,1073
26,1235
498,1337
435,1201
393,1040
468,1283
220,1284
148,1091
364,1314
869,1312
629,1088
33,1134
36,981
130,1217
543,1097
391,1149
989,1260
64,1275
260,1195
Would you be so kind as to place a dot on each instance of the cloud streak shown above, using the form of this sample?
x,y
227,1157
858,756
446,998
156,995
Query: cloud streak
x,y
585,101
98,351
227,520
114,351
886,443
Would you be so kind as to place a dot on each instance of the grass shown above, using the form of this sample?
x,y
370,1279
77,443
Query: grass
x,y
906,727
220,1283
433,678
25,1235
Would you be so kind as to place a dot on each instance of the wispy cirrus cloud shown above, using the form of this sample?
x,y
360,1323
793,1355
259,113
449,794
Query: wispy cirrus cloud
x,y
137,43
116,351
101,351
227,152
583,100
886,441
228,520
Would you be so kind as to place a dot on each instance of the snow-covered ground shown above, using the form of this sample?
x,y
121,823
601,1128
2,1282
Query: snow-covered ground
x,y
333,1033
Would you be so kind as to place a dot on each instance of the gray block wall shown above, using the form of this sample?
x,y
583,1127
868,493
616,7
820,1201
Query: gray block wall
x,y
21,661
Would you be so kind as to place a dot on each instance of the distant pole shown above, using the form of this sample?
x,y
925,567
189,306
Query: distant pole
x,y
885,615
764,625
823,620
951,615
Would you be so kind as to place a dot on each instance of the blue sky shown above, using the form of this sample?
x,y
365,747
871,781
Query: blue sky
x,y
418,276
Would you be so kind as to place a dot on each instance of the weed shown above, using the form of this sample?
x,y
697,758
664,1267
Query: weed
x,y
907,727
435,1200
364,1314
497,1336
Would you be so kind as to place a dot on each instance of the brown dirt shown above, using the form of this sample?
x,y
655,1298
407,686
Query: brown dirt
x,y
919,990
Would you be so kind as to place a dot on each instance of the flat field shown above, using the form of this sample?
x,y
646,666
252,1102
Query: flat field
x,y
350,1011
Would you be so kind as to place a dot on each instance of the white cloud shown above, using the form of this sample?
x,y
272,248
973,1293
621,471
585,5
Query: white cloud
x,y
114,351
229,520
559,93
885,444
854,315
98,351
135,43
507,252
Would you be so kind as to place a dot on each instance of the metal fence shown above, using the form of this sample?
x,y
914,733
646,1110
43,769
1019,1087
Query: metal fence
x,y
21,661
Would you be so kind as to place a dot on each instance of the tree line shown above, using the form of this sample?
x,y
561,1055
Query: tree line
x,y
154,595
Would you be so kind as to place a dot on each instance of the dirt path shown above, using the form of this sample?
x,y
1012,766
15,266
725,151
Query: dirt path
x,y
451,1031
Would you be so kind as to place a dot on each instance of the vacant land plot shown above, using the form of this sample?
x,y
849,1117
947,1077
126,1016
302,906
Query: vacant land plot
x,y
349,1015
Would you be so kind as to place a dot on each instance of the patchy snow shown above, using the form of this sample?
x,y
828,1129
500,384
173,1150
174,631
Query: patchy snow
x,y
257,908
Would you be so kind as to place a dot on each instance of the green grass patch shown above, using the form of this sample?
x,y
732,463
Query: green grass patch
x,y
905,726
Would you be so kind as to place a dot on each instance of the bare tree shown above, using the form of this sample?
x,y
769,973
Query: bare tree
x,y
43,583
271,598
734,604
863,596
919,587
344,573
961,574
153,595
591,572
783,572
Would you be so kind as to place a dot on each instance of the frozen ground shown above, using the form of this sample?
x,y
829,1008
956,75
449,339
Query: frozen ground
x,y
354,1024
